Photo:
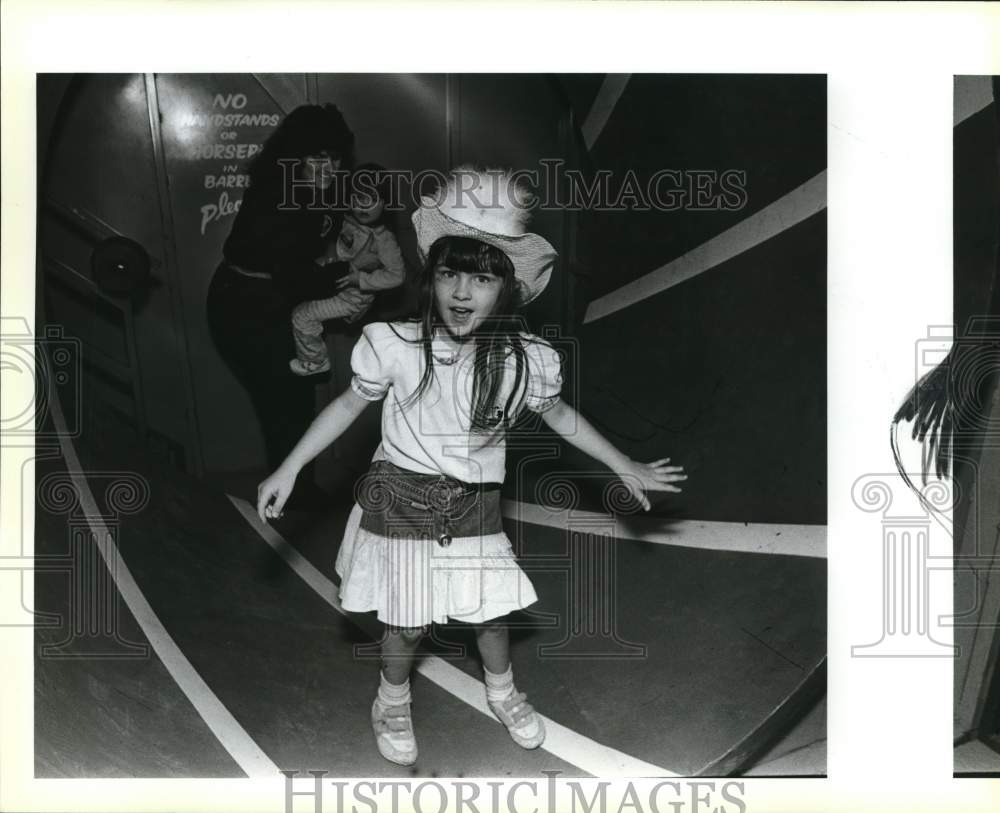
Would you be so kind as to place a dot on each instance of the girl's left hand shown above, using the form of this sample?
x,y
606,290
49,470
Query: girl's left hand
x,y
349,280
656,476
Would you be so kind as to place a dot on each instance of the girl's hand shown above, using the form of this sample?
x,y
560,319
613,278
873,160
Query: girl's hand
x,y
273,493
349,280
352,297
656,476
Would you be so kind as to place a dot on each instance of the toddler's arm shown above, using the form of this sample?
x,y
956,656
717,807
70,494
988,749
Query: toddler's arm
x,y
329,425
392,271
329,255
638,477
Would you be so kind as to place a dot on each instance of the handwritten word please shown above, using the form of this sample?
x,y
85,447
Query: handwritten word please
x,y
214,212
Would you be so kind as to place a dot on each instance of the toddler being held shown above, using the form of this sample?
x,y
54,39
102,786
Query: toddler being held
x,y
375,263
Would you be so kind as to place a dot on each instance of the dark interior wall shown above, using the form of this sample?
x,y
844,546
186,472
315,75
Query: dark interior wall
x,y
773,128
98,163
976,195
50,89
976,253
726,372
726,375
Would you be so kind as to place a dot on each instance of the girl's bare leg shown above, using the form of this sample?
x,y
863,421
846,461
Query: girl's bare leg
x,y
493,640
391,719
512,708
398,648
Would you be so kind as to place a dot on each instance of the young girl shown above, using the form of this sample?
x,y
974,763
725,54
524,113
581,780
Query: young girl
x,y
374,261
426,544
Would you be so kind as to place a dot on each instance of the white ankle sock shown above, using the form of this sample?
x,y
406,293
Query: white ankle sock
x,y
499,687
392,694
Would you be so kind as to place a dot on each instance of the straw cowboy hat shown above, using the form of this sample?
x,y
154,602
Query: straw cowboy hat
x,y
490,206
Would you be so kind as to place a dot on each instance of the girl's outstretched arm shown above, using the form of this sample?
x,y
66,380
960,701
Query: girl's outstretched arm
x,y
329,425
638,477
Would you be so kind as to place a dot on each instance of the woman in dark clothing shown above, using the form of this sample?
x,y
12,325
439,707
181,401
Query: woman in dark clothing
x,y
291,210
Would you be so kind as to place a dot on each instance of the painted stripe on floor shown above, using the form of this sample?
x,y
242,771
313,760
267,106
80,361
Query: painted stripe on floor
x,y
787,540
560,741
223,725
799,204
604,103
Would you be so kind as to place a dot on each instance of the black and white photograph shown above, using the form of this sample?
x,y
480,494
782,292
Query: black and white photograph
x,y
581,407
944,442
308,335
958,402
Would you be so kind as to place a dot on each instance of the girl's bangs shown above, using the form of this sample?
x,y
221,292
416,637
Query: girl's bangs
x,y
472,256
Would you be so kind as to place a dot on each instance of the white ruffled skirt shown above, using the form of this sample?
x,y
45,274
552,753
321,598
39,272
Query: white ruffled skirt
x,y
413,582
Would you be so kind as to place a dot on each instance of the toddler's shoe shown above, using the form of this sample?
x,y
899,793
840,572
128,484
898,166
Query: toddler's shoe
x,y
523,723
300,367
393,727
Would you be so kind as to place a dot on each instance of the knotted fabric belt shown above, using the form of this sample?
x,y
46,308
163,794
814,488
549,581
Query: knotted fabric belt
x,y
401,503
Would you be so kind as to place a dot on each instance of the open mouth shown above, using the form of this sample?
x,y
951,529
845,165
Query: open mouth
x,y
461,314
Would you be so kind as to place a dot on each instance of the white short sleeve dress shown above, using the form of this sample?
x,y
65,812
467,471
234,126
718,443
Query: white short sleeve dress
x,y
412,582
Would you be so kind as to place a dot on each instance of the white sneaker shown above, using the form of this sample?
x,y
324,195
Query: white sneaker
x,y
523,723
300,367
393,727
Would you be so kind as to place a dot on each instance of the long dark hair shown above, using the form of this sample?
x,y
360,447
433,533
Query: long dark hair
x,y
498,337
930,408
949,405
308,130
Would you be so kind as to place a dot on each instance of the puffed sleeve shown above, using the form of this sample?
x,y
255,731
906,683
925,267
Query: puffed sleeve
x,y
544,375
372,362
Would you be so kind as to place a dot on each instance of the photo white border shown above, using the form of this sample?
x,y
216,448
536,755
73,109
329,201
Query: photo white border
x,y
890,70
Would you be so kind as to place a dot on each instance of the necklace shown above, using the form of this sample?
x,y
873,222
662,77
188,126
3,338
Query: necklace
x,y
451,358
445,360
